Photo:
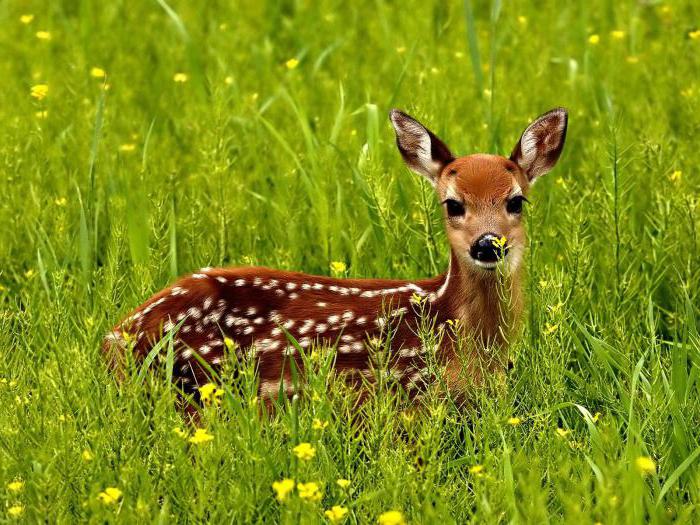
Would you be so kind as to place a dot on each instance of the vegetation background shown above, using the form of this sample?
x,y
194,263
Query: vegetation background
x,y
141,140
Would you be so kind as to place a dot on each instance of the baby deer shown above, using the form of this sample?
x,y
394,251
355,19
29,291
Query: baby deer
x,y
255,310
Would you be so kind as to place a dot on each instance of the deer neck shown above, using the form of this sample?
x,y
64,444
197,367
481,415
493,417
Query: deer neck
x,y
486,303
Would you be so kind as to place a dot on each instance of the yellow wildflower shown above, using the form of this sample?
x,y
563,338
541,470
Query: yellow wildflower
x,y
201,436
594,39
632,59
522,20
41,114
110,495
126,148
291,63
694,35
43,35
617,34
338,267
477,470
39,91
180,77
26,19
304,451
550,328
401,49
29,273
97,72
309,491
514,421
596,417
228,80
181,433
210,393
15,511
230,343
336,513
676,176
645,465
318,424
15,486
392,517
499,242
343,483
283,488
562,432
87,455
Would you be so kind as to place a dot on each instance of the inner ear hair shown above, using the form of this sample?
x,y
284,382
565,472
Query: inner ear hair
x,y
541,143
422,151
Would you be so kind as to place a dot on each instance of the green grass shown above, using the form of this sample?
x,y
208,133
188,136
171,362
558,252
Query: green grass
x,y
250,162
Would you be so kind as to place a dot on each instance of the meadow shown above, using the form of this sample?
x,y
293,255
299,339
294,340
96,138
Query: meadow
x,y
142,140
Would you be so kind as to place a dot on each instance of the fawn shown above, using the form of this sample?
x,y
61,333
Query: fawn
x,y
257,308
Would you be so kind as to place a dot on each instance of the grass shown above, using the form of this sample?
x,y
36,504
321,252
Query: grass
x,y
109,194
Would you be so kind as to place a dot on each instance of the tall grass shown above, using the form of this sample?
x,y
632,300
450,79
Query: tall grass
x,y
113,186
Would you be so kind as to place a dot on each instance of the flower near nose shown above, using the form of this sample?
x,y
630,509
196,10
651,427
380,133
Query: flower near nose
x,y
499,242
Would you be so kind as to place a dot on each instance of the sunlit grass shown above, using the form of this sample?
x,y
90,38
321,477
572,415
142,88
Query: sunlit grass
x,y
142,140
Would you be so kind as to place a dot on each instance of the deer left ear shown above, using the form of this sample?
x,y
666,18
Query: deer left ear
x,y
541,143
421,150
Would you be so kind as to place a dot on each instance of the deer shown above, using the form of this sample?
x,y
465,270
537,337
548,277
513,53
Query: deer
x,y
272,316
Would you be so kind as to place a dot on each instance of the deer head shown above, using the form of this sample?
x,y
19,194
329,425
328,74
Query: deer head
x,y
483,195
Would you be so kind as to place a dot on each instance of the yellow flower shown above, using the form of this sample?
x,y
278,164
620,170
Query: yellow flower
x,y
41,114
180,432
694,35
210,393
43,35
126,148
291,63
632,59
283,488
318,424
514,421
230,343
110,495
550,328
304,451
336,513
596,417
15,486
477,470
594,39
499,242
338,267
522,20
562,432
87,455
343,483
617,34
309,491
228,80
676,176
97,72
392,517
645,465
39,91
180,77
401,49
201,436
16,510
26,19
29,273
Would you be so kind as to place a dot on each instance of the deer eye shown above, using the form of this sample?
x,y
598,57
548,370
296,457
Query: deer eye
x,y
454,208
515,204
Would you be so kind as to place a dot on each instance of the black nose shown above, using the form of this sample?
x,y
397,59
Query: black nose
x,y
489,248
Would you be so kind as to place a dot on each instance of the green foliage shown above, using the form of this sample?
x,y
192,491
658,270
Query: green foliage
x,y
113,186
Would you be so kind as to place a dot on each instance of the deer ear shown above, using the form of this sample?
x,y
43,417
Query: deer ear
x,y
422,151
541,143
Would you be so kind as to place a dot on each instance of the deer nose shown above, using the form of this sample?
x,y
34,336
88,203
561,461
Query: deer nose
x,y
489,248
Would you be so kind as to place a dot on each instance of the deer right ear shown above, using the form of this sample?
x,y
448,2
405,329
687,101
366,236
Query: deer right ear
x,y
422,151
542,142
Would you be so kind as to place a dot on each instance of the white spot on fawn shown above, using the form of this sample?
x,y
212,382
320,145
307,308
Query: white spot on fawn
x,y
251,311
222,280
194,313
291,286
239,282
198,276
207,303
321,304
